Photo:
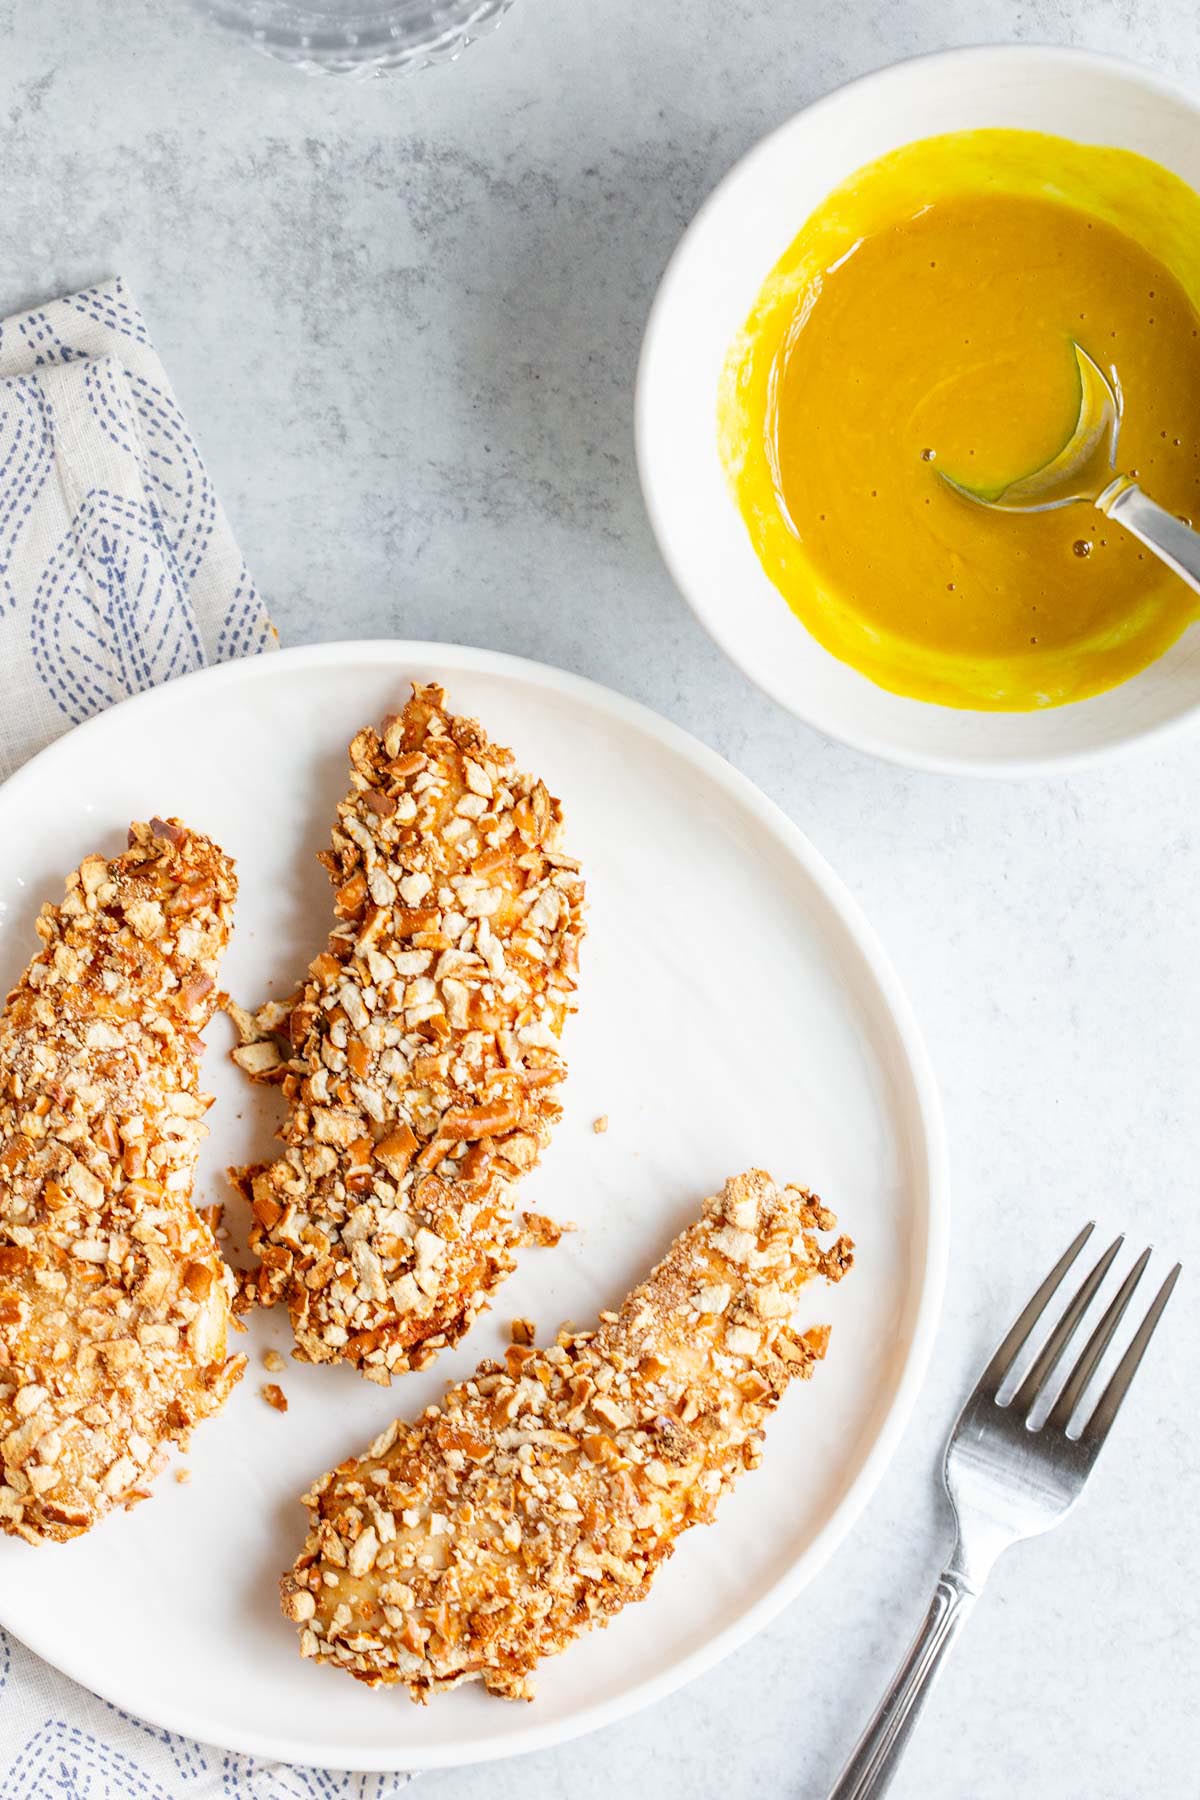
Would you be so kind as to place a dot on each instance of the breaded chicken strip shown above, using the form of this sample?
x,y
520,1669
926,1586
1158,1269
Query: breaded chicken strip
x,y
114,1298
540,1496
421,1058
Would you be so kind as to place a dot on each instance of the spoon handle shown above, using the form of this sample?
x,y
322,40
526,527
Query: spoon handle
x,y
1171,540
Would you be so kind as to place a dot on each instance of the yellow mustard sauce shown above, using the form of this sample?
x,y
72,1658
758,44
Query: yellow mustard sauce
x,y
923,321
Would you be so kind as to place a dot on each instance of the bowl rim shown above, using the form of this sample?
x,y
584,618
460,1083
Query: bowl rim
x,y
1003,766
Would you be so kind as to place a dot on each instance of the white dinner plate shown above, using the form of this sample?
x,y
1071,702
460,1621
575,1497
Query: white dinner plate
x,y
735,1010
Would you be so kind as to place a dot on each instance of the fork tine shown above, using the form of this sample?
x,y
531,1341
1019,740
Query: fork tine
x,y
1002,1362
1056,1344
1059,1416
1097,1427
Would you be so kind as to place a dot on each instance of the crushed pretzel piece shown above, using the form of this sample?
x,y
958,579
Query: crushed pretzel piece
x,y
274,1396
522,1331
542,1231
273,1361
600,1125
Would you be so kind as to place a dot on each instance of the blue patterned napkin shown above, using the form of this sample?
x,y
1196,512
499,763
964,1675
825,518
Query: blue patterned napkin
x,y
118,570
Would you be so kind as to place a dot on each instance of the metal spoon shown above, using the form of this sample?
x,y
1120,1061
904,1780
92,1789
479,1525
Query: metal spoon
x,y
1086,469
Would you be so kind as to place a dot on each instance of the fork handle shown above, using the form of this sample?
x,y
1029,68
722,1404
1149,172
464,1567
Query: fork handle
x,y
877,1754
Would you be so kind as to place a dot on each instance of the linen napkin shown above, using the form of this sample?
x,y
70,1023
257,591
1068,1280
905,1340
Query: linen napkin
x,y
118,570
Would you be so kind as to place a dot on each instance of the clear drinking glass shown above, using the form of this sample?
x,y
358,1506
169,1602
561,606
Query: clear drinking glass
x,y
357,37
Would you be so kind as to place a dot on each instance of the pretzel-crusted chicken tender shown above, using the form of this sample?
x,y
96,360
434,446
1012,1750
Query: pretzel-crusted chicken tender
x,y
420,1059
114,1299
540,1496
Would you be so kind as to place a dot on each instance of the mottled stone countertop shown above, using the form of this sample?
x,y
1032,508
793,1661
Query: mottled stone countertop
x,y
403,319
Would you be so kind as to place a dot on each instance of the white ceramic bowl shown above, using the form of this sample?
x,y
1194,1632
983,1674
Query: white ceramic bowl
x,y
706,296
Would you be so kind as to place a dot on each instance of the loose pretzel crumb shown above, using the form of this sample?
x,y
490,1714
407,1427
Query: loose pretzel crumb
x,y
538,1229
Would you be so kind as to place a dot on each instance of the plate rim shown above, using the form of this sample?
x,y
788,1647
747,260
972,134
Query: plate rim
x,y
867,741
403,652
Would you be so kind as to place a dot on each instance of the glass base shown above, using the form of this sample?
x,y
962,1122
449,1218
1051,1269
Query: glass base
x,y
354,37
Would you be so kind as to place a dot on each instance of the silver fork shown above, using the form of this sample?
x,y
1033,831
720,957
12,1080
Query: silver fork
x,y
1008,1479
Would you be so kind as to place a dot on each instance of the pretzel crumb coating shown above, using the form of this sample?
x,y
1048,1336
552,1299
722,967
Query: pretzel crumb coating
x,y
114,1299
539,1497
420,1060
